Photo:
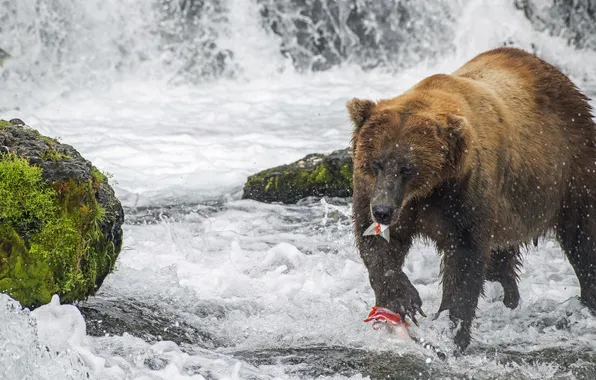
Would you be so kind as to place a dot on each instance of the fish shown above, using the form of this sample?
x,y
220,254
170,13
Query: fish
x,y
382,316
378,229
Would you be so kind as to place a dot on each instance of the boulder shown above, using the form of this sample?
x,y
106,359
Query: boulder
x,y
319,175
60,221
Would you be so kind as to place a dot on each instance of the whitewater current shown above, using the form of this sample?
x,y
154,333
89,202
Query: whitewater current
x,y
180,101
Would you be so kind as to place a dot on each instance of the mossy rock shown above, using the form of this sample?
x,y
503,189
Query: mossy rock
x,y
319,175
60,221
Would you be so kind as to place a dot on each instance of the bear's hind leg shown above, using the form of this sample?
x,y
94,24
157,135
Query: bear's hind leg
x,y
502,268
576,233
463,279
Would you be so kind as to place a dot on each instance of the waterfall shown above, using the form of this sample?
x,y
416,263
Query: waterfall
x,y
59,46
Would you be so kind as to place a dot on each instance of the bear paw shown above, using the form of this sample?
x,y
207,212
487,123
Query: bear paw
x,y
511,298
406,301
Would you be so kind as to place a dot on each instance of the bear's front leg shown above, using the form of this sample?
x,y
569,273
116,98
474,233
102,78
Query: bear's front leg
x,y
384,261
463,278
393,289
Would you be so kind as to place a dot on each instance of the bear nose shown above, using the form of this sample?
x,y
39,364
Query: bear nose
x,y
382,213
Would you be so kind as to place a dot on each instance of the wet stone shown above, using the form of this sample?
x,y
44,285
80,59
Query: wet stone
x,y
316,175
148,322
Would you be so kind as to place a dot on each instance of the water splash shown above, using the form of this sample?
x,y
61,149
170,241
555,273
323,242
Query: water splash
x,y
58,47
319,34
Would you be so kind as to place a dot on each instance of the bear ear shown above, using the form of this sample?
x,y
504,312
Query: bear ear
x,y
457,127
457,136
360,110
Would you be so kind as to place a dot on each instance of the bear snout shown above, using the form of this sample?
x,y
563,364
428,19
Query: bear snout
x,y
382,213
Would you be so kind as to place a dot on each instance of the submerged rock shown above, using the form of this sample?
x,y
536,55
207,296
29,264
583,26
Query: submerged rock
x,y
409,363
316,175
148,322
60,221
323,361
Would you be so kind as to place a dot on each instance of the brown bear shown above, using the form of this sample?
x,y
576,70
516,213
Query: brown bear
x,y
480,161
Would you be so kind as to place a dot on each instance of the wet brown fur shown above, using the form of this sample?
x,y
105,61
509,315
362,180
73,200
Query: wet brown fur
x,y
505,152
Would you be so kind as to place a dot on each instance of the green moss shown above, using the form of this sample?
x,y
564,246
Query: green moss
x,y
50,240
271,183
24,198
346,173
321,174
54,155
315,175
69,243
50,141
4,124
23,276
97,175
51,154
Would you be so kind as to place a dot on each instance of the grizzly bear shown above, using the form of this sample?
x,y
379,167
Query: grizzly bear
x,y
480,161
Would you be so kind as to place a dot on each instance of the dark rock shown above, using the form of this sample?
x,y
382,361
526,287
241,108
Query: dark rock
x,y
148,322
60,221
315,362
319,175
28,143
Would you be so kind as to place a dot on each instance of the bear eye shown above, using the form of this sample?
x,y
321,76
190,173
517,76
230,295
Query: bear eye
x,y
377,166
406,170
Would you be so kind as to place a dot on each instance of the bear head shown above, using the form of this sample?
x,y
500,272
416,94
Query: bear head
x,y
403,149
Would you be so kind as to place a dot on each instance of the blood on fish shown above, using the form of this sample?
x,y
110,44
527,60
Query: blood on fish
x,y
381,314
